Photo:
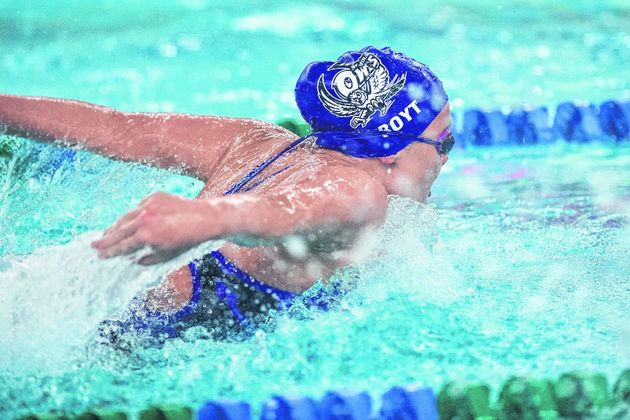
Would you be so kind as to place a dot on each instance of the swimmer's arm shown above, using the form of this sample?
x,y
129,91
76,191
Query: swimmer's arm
x,y
191,143
341,202
313,210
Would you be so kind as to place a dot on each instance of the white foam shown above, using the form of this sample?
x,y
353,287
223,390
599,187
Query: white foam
x,y
53,300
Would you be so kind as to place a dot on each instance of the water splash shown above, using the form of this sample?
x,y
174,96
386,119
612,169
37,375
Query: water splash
x,y
54,299
406,245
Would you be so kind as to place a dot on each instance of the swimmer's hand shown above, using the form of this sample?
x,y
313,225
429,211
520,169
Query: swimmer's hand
x,y
168,224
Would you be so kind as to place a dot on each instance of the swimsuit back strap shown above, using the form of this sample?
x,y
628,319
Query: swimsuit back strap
x,y
262,166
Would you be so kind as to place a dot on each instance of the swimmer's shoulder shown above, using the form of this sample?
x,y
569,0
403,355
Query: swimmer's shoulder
x,y
351,189
258,137
259,131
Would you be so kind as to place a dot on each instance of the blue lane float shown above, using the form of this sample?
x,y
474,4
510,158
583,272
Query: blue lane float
x,y
614,121
476,130
290,408
226,409
572,395
566,123
521,130
572,122
409,402
346,405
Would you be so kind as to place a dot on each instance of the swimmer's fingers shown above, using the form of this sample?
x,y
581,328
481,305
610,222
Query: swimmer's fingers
x,y
124,247
123,223
117,233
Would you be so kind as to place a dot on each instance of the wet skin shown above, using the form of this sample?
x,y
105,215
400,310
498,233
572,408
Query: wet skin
x,y
324,199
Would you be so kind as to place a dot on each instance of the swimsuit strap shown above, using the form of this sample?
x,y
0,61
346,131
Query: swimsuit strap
x,y
228,267
262,166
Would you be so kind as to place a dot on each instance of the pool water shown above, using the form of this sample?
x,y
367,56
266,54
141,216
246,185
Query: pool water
x,y
519,264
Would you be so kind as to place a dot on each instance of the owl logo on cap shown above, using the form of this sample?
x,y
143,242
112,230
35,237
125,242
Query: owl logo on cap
x,y
362,88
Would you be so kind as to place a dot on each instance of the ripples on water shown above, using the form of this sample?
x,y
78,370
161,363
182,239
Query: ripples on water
x,y
520,267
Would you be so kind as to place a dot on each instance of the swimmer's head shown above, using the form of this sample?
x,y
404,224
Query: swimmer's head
x,y
369,103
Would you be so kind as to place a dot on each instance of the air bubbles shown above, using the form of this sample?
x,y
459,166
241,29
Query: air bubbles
x,y
297,247
543,51
168,50
457,103
415,91
190,43
537,90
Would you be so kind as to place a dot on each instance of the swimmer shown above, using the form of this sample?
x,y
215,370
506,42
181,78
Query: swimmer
x,y
292,210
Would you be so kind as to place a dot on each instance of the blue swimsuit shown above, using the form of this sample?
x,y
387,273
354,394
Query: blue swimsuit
x,y
225,299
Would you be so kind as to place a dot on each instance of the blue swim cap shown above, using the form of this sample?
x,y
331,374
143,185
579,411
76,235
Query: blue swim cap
x,y
369,103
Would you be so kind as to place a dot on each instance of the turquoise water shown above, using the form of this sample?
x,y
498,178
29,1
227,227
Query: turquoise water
x,y
518,265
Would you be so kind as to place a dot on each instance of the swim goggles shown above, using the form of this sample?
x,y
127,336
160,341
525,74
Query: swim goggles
x,y
444,142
